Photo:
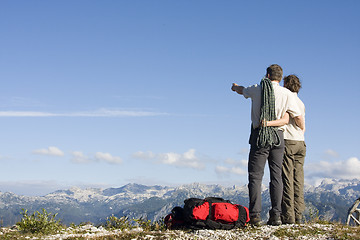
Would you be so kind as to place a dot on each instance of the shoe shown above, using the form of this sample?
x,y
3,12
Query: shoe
x,y
255,220
274,221
299,220
287,220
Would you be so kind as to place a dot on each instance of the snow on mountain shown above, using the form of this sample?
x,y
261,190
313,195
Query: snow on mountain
x,y
331,198
131,193
351,188
81,195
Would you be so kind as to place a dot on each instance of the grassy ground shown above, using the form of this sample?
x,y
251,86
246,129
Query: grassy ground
x,y
43,225
302,231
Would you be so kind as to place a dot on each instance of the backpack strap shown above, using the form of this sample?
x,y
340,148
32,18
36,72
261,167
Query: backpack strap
x,y
190,221
212,200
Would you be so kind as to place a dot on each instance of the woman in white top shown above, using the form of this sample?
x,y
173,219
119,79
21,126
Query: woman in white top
x,y
294,156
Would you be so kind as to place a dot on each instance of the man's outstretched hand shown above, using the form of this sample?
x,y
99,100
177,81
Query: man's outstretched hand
x,y
237,88
234,85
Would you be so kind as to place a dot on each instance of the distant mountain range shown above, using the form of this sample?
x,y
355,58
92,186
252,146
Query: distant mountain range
x,y
330,200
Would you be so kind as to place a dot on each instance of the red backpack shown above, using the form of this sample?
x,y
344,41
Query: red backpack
x,y
209,213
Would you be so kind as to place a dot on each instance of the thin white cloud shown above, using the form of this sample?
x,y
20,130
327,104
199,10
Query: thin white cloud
x,y
233,162
52,151
186,160
144,155
348,169
26,114
96,113
80,157
329,153
107,157
225,171
237,167
244,151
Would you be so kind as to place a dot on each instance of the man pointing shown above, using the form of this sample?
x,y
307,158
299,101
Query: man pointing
x,y
269,101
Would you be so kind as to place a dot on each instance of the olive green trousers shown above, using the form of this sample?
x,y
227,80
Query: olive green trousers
x,y
293,204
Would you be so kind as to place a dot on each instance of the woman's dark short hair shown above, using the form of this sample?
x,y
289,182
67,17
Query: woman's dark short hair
x,y
275,72
292,82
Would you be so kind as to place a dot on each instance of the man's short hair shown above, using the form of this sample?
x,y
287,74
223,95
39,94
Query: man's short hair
x,y
274,72
292,82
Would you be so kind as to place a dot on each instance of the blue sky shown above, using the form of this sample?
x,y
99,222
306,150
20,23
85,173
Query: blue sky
x,y
103,93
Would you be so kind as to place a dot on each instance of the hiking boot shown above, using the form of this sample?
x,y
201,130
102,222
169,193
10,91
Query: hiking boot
x,y
287,220
298,219
274,221
255,220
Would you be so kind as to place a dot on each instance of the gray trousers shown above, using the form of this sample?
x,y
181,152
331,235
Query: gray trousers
x,y
293,179
256,165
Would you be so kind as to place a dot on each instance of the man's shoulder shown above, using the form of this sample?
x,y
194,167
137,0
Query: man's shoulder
x,y
254,86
